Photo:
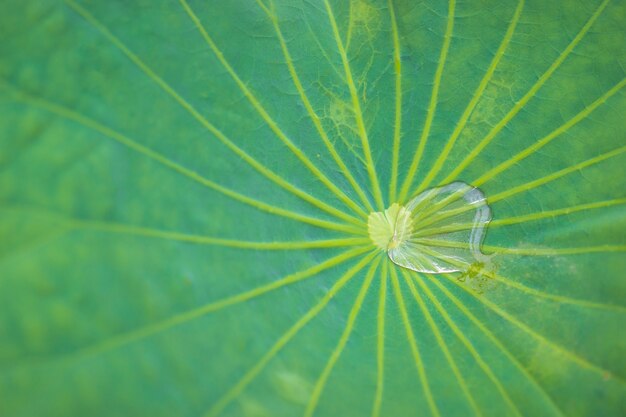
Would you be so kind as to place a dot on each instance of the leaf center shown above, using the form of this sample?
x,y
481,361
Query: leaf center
x,y
440,230
389,229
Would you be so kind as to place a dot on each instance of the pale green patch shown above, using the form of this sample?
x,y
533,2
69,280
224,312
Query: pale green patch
x,y
479,276
389,229
292,386
252,408
364,22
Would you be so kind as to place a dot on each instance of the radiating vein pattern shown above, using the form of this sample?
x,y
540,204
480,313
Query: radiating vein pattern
x,y
519,104
481,362
263,170
442,344
163,160
326,320
309,108
439,162
334,357
266,117
356,104
285,338
432,105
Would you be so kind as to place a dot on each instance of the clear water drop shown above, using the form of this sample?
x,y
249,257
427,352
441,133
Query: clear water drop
x,y
440,230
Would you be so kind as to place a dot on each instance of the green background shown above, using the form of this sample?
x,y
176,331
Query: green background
x,y
86,305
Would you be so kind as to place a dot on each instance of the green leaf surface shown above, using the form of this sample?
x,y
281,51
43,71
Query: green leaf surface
x,y
185,188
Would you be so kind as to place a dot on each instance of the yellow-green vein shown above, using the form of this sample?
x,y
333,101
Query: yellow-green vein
x,y
468,345
520,219
522,251
413,344
432,105
528,290
430,219
551,136
478,323
397,129
249,376
178,319
575,358
556,212
441,159
161,159
110,227
556,175
380,341
256,104
309,108
489,175
343,340
259,167
553,297
358,113
338,72
442,344
350,25
519,104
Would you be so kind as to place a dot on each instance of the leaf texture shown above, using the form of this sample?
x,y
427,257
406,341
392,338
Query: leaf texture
x,y
185,189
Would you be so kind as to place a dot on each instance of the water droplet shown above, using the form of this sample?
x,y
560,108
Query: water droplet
x,y
441,230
